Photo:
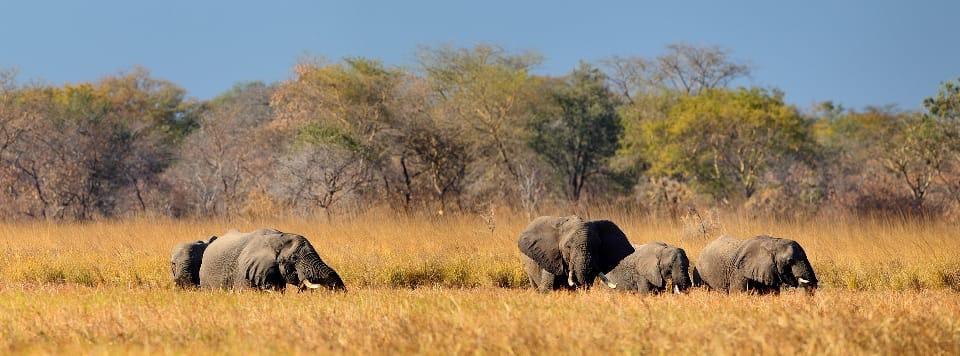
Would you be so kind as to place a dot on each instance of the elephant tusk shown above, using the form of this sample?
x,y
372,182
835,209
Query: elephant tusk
x,y
676,289
606,280
306,283
803,281
570,279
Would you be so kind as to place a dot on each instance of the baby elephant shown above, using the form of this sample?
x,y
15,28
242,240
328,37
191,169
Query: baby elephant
x,y
185,262
649,267
762,264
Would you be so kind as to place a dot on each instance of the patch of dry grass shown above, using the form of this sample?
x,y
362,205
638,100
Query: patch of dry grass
x,y
431,285
487,320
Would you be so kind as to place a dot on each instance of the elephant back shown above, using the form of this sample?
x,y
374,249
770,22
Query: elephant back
x,y
716,263
220,259
624,274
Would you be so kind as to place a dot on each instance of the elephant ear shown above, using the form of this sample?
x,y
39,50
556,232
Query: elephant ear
x,y
648,266
260,269
788,252
757,263
541,242
613,246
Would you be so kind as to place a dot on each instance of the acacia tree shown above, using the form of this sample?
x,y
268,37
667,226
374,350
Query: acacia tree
x,y
578,137
725,140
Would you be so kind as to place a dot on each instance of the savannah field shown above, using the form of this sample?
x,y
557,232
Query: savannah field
x,y
450,285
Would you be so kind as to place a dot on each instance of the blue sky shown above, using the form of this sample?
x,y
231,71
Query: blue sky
x,y
856,53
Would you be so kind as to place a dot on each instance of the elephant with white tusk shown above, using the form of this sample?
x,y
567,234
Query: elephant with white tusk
x,y
649,268
762,265
569,252
265,259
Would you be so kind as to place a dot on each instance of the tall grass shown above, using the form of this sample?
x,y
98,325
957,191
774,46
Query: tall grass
x,y
383,250
453,285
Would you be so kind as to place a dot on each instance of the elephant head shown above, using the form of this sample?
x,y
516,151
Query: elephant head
x,y
284,259
301,266
580,250
776,262
185,262
659,262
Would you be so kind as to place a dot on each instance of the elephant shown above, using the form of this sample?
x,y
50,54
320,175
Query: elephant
x,y
648,269
762,264
571,248
265,259
185,262
540,279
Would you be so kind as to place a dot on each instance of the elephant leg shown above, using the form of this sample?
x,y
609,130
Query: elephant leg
x,y
549,281
533,277
761,288
534,282
643,286
739,284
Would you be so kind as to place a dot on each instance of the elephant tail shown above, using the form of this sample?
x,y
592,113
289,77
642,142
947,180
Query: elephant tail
x,y
697,280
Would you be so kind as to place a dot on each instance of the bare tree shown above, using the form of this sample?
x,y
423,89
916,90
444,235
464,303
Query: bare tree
x,y
629,76
319,176
693,69
224,160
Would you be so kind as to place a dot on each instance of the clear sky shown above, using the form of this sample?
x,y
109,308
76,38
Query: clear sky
x,y
856,53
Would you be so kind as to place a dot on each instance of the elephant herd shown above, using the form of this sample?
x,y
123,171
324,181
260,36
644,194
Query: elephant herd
x,y
556,253
569,252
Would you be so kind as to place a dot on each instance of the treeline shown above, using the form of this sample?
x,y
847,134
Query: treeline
x,y
466,129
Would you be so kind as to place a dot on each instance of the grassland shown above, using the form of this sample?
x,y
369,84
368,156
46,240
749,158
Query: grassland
x,y
453,285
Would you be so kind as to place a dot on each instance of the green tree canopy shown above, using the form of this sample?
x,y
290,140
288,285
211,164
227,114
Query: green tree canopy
x,y
724,140
584,130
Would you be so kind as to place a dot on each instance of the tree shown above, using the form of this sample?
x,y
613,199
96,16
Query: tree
x,y
943,111
344,108
879,151
223,160
684,68
915,153
650,87
693,69
725,140
488,92
582,133
91,149
317,175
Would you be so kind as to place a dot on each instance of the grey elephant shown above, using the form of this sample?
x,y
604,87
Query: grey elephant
x,y
648,269
761,264
185,262
265,259
562,252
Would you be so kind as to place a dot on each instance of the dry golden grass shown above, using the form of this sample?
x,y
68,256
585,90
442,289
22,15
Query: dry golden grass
x,y
451,285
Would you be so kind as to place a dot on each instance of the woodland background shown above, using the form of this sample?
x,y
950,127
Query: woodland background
x,y
468,130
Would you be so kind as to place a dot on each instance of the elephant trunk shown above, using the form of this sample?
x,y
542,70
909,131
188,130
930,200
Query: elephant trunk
x,y
314,273
582,271
803,272
183,277
680,274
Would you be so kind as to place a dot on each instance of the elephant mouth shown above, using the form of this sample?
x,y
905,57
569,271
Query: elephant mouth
x,y
603,277
306,284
